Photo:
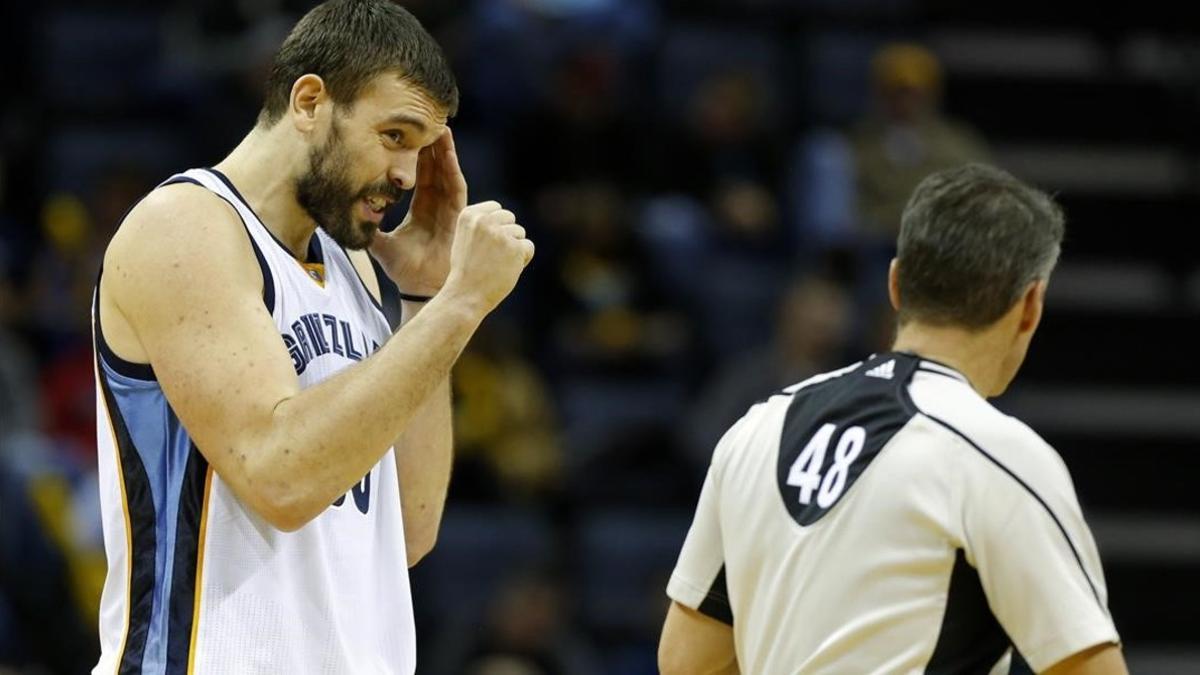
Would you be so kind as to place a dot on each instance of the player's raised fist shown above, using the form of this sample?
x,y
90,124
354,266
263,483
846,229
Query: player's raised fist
x,y
490,251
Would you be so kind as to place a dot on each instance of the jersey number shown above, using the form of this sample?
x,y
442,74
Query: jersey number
x,y
361,493
806,470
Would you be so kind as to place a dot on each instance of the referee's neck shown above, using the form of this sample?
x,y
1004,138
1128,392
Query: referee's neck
x,y
982,356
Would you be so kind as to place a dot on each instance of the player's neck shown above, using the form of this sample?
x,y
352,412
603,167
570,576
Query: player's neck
x,y
258,167
977,355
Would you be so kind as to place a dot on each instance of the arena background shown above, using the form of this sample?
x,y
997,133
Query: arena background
x,y
713,189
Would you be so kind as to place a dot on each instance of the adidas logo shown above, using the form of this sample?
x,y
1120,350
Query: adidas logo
x,y
883,371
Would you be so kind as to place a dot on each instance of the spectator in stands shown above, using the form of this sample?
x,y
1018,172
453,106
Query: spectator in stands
x,y
63,278
717,168
811,333
612,318
906,138
726,138
17,375
505,423
75,229
583,112
39,624
746,264
529,632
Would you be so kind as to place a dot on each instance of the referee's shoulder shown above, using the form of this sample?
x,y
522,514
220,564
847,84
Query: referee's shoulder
x,y
988,435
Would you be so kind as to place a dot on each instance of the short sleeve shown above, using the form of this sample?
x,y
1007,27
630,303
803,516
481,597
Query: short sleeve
x,y
1038,564
698,581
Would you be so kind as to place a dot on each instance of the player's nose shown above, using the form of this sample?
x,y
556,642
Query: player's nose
x,y
403,171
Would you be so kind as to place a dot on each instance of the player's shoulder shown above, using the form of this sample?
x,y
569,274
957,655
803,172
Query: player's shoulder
x,y
179,231
180,211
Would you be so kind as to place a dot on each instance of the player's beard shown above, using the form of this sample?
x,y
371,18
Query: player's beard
x,y
326,193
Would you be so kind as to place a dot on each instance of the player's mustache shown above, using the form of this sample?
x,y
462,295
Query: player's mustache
x,y
389,191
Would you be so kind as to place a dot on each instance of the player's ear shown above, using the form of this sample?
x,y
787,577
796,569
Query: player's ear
x,y
308,95
894,283
1032,303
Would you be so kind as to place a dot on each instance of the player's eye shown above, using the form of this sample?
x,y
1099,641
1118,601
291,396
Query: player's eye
x,y
396,137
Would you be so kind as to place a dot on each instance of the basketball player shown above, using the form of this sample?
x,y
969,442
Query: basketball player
x,y
884,518
272,458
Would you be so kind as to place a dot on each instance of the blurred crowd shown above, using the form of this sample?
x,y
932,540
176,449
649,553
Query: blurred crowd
x,y
713,214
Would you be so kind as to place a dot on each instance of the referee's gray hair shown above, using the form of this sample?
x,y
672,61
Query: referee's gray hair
x,y
971,241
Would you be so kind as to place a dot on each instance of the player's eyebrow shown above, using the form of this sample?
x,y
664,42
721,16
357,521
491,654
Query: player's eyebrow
x,y
406,118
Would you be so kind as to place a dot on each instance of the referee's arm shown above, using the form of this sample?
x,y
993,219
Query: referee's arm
x,y
695,644
1105,659
1025,534
698,634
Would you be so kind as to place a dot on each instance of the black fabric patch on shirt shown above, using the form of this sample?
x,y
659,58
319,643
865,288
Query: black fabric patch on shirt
x,y
970,639
716,602
834,429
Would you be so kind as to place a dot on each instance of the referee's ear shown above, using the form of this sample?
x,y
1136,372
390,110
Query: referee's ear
x,y
894,283
1032,304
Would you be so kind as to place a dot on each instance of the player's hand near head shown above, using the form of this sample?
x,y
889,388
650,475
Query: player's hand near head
x,y
423,253
416,256
490,251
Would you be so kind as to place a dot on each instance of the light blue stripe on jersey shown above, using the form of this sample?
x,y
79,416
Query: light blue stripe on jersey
x,y
163,445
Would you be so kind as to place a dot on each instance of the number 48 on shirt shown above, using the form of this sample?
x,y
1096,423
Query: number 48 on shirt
x,y
806,472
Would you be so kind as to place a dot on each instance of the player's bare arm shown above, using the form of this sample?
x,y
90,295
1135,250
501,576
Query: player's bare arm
x,y
695,644
424,450
181,273
417,259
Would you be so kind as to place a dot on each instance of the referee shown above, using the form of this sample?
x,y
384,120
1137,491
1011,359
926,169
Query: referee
x,y
884,518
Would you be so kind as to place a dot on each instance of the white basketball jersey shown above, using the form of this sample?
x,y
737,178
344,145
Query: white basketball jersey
x,y
197,582
886,519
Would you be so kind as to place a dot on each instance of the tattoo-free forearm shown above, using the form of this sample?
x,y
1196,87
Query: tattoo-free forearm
x,y
326,437
424,456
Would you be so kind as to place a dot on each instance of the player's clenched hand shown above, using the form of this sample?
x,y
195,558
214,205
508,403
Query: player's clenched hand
x,y
489,252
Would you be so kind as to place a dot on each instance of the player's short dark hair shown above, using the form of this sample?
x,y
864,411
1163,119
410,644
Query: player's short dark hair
x,y
971,240
350,42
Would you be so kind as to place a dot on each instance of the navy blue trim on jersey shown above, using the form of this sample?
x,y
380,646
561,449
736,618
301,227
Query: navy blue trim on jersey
x,y
175,180
142,515
183,581
716,602
1034,494
970,640
361,281
137,371
315,254
232,188
268,278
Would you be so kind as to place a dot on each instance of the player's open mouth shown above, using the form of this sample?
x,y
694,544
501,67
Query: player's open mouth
x,y
373,208
378,204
